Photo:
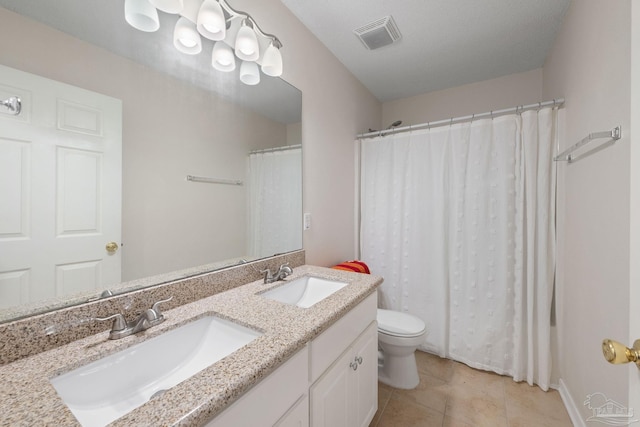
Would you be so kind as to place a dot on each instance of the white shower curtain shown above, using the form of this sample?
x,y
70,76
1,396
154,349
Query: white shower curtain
x,y
275,202
459,220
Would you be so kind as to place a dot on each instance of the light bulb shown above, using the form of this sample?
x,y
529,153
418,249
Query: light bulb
x,y
272,61
141,15
246,45
211,21
185,37
222,57
249,73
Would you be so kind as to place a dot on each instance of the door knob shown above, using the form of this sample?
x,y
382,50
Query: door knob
x,y
617,353
111,247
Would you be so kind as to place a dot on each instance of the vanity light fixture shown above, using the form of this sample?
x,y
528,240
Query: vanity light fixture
x,y
246,46
211,21
236,34
185,37
249,73
141,15
222,57
272,61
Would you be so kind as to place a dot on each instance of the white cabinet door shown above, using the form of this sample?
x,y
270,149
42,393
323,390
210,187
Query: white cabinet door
x,y
347,394
330,395
365,384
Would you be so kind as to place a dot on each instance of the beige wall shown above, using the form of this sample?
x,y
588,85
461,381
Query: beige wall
x,y
589,66
168,223
294,134
495,94
335,108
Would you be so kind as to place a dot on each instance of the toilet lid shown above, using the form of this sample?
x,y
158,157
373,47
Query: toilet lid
x,y
399,324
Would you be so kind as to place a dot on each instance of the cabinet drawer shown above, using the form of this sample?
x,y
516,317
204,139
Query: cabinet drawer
x,y
329,345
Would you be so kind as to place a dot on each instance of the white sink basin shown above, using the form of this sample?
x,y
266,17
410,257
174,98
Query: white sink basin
x,y
106,389
304,291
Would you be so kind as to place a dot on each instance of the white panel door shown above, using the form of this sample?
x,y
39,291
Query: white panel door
x,y
60,189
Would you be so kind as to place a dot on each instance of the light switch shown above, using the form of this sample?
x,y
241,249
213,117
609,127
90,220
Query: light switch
x,y
306,222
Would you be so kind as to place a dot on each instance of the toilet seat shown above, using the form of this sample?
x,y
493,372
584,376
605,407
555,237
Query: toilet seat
x,y
399,324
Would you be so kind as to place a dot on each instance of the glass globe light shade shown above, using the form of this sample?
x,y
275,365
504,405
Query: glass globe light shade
x,y
222,57
141,15
272,61
185,37
211,21
246,45
249,73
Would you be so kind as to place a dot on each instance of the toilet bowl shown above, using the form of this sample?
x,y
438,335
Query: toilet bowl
x,y
399,334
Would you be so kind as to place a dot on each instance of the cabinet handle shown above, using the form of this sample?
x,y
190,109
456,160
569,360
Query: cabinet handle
x,y
356,361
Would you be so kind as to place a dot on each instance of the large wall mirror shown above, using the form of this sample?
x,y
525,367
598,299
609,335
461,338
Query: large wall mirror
x,y
85,79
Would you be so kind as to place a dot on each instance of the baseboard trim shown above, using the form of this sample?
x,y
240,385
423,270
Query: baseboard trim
x,y
572,409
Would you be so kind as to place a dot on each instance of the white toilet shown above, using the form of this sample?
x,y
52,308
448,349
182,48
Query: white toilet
x,y
399,334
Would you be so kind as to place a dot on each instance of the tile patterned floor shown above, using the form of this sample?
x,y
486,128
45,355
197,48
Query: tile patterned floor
x,y
451,394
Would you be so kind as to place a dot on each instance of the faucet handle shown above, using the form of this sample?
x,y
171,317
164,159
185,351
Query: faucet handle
x,y
155,306
119,322
285,270
268,275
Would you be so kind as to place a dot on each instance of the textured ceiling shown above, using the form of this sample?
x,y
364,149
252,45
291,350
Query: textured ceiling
x,y
445,43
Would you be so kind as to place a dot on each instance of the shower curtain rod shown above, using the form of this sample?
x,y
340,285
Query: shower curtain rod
x,y
514,110
270,150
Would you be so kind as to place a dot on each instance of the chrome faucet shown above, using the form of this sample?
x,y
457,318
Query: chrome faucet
x,y
282,272
147,319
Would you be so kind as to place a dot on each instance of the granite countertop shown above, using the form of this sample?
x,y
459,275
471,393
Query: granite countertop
x,y
27,398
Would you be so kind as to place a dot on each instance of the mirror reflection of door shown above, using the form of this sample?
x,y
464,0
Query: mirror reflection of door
x,y
60,190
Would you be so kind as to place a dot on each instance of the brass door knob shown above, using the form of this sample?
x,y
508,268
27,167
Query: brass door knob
x,y
617,353
111,247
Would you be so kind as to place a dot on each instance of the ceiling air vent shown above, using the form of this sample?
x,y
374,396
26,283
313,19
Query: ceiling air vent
x,y
378,33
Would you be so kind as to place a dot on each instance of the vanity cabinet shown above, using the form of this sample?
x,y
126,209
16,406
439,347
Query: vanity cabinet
x,y
344,370
346,394
331,382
